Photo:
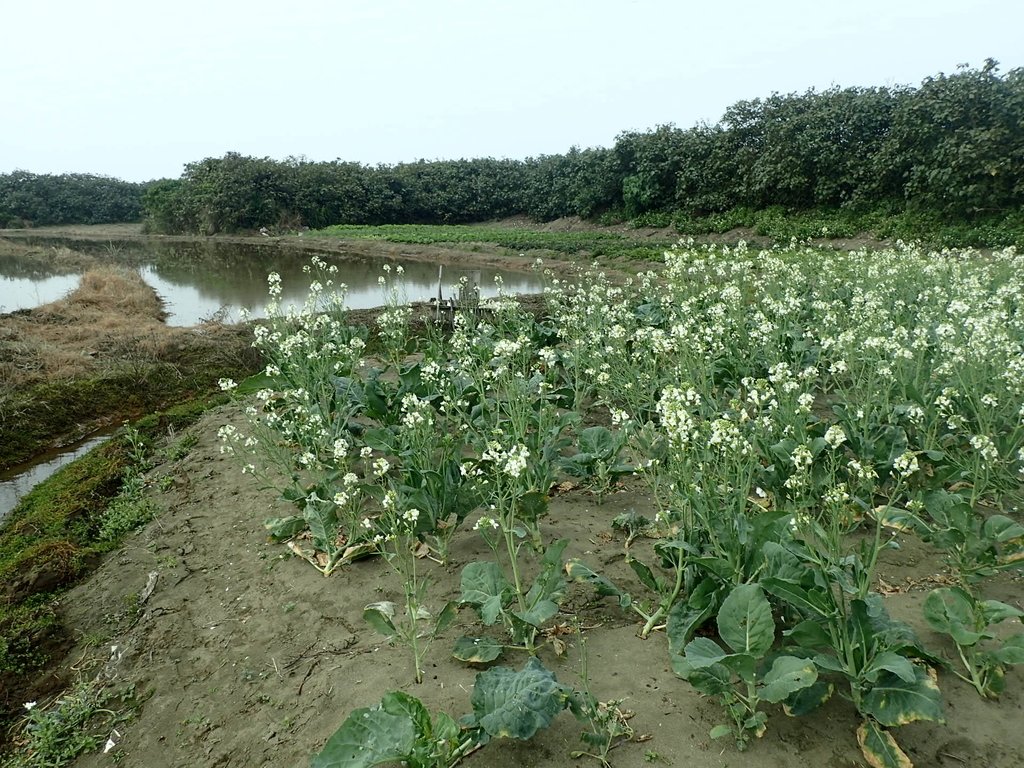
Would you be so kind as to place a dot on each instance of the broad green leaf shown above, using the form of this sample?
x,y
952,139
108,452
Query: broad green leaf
x,y
646,576
888,661
893,701
745,621
403,705
445,728
485,587
686,616
787,675
540,613
381,617
598,442
578,571
720,731
828,663
1002,529
283,528
806,700
368,737
323,523
1011,652
994,611
782,564
702,652
446,617
808,634
532,506
809,601
880,748
510,704
950,610
477,650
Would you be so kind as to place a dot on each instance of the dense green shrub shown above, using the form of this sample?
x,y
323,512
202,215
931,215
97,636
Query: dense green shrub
x,y
30,199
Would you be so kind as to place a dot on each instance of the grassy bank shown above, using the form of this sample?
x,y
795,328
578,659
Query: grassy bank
x,y
100,355
55,537
590,241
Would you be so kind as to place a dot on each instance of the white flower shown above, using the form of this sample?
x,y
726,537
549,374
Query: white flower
x,y
411,515
984,445
226,385
906,464
366,452
835,436
381,467
30,705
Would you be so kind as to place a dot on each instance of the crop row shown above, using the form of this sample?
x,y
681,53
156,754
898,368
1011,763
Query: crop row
x,y
788,410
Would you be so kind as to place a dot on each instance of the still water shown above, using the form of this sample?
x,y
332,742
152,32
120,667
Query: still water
x,y
198,280
17,481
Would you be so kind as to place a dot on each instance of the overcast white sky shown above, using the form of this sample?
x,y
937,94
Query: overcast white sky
x,y
136,89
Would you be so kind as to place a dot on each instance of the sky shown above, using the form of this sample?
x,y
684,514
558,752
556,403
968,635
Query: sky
x,y
136,90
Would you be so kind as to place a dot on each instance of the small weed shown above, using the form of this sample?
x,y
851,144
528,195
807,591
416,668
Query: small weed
x,y
54,735
180,448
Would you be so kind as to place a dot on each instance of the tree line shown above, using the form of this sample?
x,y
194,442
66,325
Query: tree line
x,y
32,199
953,146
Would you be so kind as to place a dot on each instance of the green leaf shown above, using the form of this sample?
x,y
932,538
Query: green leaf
x,y
686,616
283,528
808,634
381,617
893,701
646,576
995,612
510,704
1011,652
787,675
745,621
720,731
485,587
809,601
598,442
538,614
578,571
531,506
446,617
403,705
323,523
951,610
880,748
1002,529
808,699
368,737
782,564
888,661
477,650
702,652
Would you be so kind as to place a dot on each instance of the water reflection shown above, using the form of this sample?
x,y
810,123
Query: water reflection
x,y
17,481
198,280
24,283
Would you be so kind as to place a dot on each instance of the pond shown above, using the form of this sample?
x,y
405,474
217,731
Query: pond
x,y
200,280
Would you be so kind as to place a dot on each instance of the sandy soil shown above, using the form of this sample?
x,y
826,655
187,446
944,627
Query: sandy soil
x,y
243,656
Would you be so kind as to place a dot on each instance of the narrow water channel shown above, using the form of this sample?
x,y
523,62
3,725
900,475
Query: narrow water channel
x,y
20,479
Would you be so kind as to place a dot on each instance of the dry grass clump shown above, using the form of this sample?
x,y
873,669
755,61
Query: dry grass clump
x,y
110,296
